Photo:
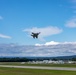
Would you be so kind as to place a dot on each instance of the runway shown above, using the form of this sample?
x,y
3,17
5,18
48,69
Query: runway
x,y
41,67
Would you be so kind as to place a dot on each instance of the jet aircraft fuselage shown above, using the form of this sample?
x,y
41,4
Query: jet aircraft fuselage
x,y
35,35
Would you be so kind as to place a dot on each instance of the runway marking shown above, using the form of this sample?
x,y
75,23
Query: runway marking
x,y
41,67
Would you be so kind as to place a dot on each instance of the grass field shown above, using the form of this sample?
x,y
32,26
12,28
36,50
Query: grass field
x,y
50,65
20,71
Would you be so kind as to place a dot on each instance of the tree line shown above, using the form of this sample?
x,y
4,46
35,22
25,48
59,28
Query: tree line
x,y
24,59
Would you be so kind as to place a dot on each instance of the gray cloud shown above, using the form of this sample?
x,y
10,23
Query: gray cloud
x,y
44,50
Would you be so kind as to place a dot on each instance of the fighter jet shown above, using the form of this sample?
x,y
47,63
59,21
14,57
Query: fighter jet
x,y
35,35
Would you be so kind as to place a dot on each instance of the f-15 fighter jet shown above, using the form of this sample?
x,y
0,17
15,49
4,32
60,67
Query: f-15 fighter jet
x,y
35,35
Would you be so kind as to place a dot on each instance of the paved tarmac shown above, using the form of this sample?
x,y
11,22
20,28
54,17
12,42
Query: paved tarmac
x,y
41,67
